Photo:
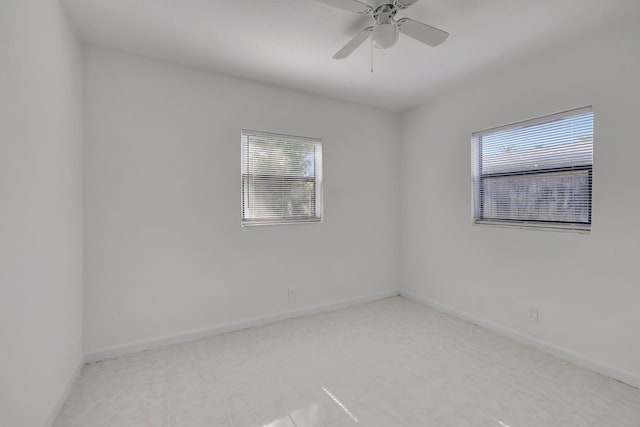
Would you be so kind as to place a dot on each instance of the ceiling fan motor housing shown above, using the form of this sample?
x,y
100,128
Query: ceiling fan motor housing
x,y
385,33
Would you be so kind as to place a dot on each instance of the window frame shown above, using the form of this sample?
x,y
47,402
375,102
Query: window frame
x,y
477,177
317,180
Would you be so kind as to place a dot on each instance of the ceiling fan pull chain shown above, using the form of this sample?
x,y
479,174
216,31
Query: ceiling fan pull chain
x,y
371,56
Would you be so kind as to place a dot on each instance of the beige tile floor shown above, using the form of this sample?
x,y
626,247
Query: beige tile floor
x,y
386,363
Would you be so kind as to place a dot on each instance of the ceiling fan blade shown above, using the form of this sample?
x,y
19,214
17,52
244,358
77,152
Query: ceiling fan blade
x,y
422,32
403,4
353,44
350,5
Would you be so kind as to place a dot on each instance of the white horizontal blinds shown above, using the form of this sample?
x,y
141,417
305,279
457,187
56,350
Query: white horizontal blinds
x,y
536,171
280,178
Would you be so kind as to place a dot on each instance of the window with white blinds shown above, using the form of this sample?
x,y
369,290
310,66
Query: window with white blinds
x,y
281,178
536,173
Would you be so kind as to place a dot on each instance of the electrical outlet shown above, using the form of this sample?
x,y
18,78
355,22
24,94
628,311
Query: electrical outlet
x,y
292,295
534,315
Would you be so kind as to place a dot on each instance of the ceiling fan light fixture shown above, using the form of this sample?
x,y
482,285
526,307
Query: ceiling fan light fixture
x,y
385,35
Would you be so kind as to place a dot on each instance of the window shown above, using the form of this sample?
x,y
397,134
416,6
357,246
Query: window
x,y
281,179
536,173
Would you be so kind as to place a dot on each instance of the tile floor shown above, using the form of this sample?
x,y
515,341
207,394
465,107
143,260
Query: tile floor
x,y
387,363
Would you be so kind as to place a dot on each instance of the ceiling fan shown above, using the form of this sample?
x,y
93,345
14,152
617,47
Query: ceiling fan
x,y
384,33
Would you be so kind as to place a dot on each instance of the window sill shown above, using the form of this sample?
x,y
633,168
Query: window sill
x,y
285,222
536,226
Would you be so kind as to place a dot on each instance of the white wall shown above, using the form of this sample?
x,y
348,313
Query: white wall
x,y
587,287
165,254
41,210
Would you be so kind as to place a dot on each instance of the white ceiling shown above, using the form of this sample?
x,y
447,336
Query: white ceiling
x,y
291,42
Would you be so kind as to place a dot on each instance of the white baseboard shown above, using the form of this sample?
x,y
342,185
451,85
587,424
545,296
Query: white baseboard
x,y
63,397
537,343
120,350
